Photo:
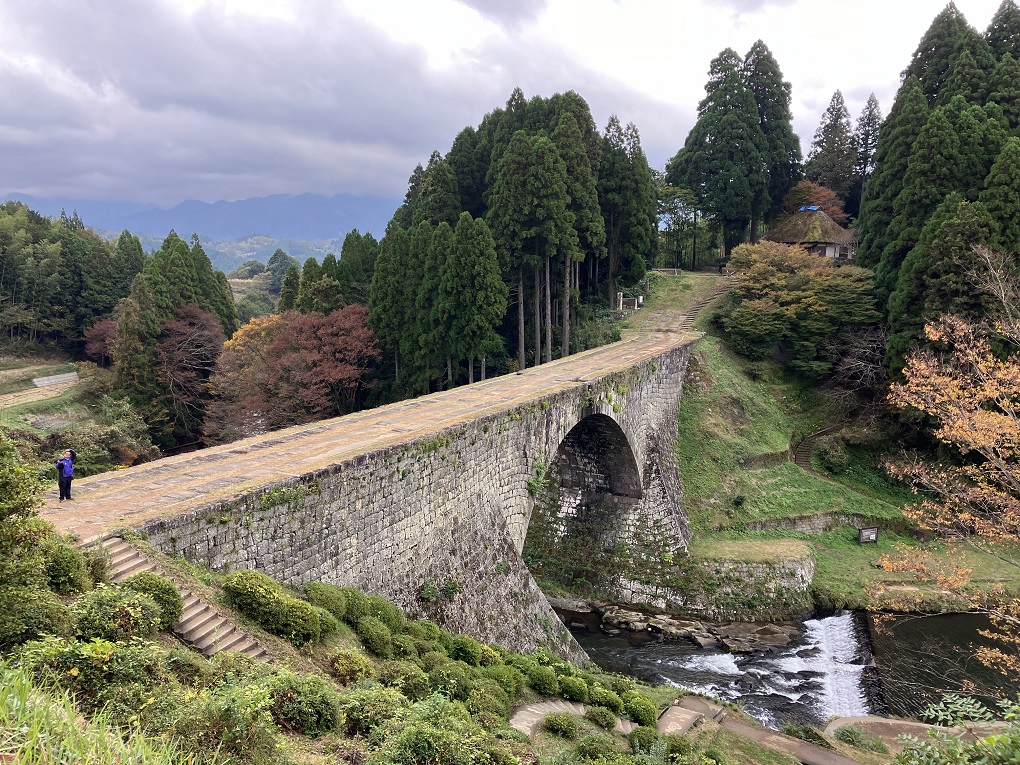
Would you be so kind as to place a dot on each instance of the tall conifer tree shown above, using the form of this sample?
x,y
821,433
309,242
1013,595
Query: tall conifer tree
x,y
772,96
832,160
1001,196
1003,33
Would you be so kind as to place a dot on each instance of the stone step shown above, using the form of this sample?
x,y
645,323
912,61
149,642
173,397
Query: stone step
x,y
678,720
200,624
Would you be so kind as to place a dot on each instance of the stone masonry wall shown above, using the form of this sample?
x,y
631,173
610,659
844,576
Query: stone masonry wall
x,y
448,513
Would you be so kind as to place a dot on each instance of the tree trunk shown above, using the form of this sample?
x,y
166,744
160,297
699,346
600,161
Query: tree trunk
x,y
548,313
538,314
754,229
694,250
449,372
483,367
471,369
520,317
396,365
568,272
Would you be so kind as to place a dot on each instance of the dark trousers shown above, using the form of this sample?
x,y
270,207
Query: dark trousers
x,y
64,482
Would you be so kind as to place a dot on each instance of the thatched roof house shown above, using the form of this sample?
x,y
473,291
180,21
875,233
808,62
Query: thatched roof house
x,y
817,232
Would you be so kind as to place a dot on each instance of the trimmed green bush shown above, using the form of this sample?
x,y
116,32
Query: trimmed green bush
x,y
855,737
405,647
234,721
574,689
257,596
327,596
350,666
642,739
406,677
543,680
375,636
189,667
491,657
300,623
112,613
679,744
509,679
97,562
31,614
604,697
453,679
523,664
388,612
562,724
357,605
640,708
601,716
328,624
364,710
487,697
432,659
424,629
161,590
67,571
618,684
467,650
304,703
596,747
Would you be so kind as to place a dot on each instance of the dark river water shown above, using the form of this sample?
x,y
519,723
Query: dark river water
x,y
834,669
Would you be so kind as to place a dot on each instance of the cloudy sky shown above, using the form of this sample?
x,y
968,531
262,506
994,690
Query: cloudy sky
x,y
160,101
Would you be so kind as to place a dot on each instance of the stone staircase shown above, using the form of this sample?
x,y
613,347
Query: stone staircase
x,y
687,321
802,451
200,625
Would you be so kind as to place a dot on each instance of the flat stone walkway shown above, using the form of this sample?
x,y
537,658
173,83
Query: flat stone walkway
x,y
128,498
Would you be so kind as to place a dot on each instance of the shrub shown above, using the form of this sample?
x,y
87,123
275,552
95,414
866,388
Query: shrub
x,y
597,746
855,737
640,708
523,664
388,612
365,709
619,684
642,738
406,677
490,657
67,571
487,697
467,650
257,596
97,563
679,744
112,613
601,716
31,614
716,755
328,624
189,667
806,733
88,669
432,659
574,689
161,590
424,629
303,703
234,721
327,596
452,679
562,724
350,666
376,636
509,679
543,680
604,697
405,647
357,605
300,623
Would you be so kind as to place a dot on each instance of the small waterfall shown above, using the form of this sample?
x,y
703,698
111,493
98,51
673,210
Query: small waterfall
x,y
833,653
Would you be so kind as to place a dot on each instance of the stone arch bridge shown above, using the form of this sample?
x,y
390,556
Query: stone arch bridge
x,y
426,501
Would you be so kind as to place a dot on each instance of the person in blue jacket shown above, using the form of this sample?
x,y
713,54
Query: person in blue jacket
x,y
65,472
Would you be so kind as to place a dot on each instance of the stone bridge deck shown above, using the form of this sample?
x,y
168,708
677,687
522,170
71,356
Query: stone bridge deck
x,y
175,485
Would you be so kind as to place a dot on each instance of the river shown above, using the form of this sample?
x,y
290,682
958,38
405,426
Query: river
x,y
833,669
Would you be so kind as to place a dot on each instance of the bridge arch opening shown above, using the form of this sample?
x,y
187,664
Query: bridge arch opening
x,y
584,506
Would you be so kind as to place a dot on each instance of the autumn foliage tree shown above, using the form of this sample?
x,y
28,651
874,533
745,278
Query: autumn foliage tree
x,y
811,194
971,391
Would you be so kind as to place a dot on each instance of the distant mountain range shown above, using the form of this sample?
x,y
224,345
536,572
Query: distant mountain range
x,y
308,225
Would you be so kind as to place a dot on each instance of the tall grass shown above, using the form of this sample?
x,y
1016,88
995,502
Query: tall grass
x,y
43,728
